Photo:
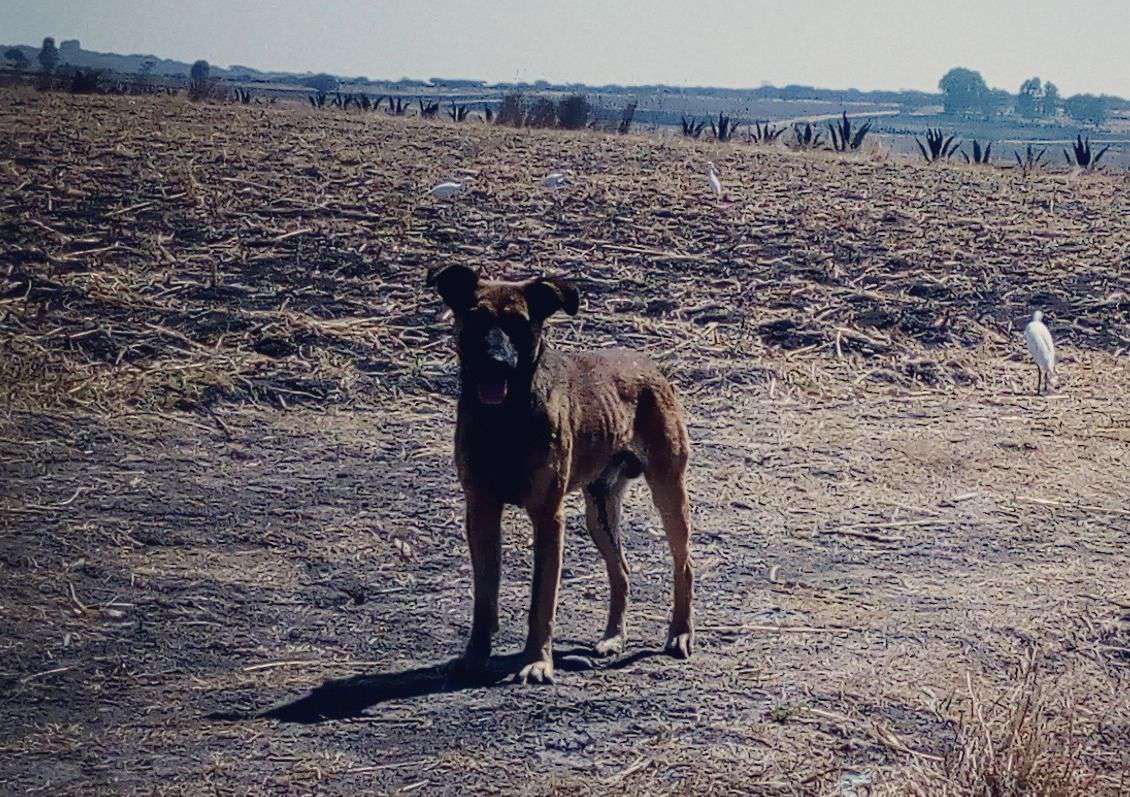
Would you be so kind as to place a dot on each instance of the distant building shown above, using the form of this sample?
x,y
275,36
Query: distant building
x,y
70,51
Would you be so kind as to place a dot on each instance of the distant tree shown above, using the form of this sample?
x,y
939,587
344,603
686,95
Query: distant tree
x,y
1029,99
1051,100
964,90
147,67
326,84
995,102
49,55
1087,108
17,57
200,72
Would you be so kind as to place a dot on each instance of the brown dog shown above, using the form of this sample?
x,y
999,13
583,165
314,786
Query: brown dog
x,y
534,424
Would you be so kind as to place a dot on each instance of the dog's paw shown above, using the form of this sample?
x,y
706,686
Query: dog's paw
x,y
468,666
536,672
609,646
680,645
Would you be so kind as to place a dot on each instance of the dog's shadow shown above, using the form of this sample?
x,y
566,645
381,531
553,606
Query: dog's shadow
x,y
347,698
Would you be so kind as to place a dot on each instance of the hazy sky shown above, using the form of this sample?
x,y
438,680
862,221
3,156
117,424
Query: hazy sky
x,y
829,43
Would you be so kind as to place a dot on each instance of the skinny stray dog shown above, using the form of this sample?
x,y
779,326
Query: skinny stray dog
x,y
534,424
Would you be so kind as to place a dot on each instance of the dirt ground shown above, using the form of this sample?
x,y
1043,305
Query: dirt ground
x,y
233,555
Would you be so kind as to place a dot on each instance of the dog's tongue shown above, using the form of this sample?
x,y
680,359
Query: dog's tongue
x,y
492,392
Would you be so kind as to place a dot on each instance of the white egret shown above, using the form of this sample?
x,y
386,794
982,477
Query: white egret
x,y
712,178
1042,348
555,180
446,190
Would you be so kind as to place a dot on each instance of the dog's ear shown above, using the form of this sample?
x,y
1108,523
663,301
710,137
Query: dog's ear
x,y
546,295
456,284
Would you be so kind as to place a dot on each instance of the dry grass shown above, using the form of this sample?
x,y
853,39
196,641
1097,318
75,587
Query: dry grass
x,y
156,253
1029,739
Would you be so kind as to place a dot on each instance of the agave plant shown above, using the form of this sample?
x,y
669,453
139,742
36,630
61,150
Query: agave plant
x,y
1084,158
457,112
844,138
980,156
428,111
1031,160
725,129
937,147
692,128
397,106
242,96
807,136
363,102
318,100
764,134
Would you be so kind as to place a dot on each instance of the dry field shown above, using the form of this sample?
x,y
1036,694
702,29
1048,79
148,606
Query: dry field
x,y
232,555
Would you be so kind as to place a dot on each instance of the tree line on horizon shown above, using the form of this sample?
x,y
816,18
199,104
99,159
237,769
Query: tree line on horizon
x,y
964,91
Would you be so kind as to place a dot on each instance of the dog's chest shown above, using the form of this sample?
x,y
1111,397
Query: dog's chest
x,y
503,456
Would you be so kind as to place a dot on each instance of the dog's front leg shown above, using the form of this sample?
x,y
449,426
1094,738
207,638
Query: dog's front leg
x,y
549,547
484,538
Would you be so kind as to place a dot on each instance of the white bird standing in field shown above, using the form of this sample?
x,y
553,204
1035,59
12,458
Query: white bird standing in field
x,y
1042,348
712,178
555,180
446,190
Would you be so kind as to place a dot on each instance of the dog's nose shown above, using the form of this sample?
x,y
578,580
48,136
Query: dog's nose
x,y
500,350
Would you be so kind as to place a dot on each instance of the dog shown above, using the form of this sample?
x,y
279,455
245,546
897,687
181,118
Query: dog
x,y
534,424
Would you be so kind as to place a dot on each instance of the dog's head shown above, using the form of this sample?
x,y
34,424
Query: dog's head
x,y
498,327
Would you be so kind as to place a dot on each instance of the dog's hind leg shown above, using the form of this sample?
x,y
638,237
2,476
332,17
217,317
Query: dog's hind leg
x,y
603,499
661,428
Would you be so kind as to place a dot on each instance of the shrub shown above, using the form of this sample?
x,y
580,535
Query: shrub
x,y
457,112
1027,740
626,117
541,113
84,81
204,90
512,110
573,112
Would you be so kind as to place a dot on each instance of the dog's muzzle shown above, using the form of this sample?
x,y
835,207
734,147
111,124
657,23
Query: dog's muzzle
x,y
501,360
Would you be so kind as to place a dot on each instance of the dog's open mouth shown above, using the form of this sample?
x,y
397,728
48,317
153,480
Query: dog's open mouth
x,y
492,392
